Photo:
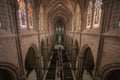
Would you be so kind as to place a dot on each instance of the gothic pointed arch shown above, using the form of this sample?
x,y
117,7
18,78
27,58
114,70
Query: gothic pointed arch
x,y
86,64
6,75
30,62
113,75
88,61
8,71
110,72
33,63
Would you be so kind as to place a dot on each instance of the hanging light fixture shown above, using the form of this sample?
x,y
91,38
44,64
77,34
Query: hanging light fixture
x,y
60,4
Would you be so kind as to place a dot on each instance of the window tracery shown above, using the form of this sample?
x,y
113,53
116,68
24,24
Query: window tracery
x,y
97,14
22,14
30,16
89,15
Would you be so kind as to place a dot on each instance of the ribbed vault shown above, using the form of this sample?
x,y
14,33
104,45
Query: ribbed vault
x,y
56,10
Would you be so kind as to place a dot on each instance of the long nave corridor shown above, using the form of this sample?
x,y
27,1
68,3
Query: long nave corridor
x,y
59,39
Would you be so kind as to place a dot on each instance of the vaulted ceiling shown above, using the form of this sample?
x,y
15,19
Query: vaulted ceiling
x,y
57,10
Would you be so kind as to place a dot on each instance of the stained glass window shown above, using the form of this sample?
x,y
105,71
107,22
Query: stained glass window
x,y
22,14
97,14
30,16
89,15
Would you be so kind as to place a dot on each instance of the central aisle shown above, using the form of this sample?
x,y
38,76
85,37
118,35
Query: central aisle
x,y
59,68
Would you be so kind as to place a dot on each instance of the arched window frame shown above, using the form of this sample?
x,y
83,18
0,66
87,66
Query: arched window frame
x,y
89,15
30,15
22,14
97,14
27,15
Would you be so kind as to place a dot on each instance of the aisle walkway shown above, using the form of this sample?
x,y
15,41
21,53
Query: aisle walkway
x,y
66,67
53,74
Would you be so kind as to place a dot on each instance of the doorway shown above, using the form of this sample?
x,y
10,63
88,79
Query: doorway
x,y
88,65
30,65
6,75
113,75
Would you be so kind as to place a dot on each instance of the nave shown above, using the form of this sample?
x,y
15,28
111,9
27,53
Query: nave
x,y
59,68
59,39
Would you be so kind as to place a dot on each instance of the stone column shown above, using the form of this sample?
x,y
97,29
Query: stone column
x,y
22,75
105,21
